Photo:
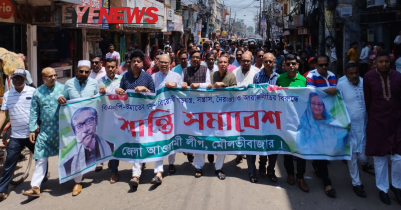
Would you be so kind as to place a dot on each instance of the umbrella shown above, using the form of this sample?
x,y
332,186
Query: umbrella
x,y
11,61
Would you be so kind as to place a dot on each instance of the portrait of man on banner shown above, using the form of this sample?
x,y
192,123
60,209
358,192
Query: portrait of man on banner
x,y
90,147
316,134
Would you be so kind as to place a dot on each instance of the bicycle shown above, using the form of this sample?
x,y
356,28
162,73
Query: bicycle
x,y
25,160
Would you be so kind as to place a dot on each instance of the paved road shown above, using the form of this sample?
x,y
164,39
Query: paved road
x,y
183,191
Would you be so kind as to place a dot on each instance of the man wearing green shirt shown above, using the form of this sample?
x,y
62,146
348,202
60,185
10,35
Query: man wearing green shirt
x,y
292,78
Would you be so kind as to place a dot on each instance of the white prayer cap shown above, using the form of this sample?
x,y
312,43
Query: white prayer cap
x,y
84,63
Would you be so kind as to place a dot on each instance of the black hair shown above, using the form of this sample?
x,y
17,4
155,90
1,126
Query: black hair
x,y
159,53
223,54
181,46
108,60
131,49
252,47
96,56
195,51
350,65
381,44
382,53
290,57
258,50
323,56
207,56
239,50
138,54
182,52
111,44
216,43
127,55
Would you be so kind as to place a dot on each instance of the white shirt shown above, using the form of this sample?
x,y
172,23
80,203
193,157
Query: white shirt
x,y
18,106
160,79
244,80
97,76
110,85
398,64
209,72
365,55
114,55
354,101
258,69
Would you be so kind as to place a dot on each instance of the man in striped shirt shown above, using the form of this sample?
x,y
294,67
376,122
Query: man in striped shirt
x,y
267,75
17,103
323,79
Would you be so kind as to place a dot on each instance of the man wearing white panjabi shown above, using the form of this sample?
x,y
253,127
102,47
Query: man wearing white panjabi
x,y
352,91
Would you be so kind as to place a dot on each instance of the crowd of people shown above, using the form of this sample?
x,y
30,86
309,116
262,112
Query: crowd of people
x,y
373,103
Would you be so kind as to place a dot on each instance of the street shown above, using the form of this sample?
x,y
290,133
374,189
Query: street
x,y
183,191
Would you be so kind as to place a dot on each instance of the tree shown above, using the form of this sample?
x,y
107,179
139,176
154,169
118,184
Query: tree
x,y
249,29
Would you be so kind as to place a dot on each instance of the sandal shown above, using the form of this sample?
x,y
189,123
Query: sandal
x,y
134,182
156,180
220,174
99,167
253,178
198,171
272,176
171,169
331,193
190,157
238,159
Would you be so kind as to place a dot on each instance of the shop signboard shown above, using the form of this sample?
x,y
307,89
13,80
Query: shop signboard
x,y
170,14
170,26
7,9
178,23
344,10
374,3
263,23
105,4
93,35
147,4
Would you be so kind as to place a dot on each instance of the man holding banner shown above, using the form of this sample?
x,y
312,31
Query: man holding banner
x,y
138,81
44,109
292,78
80,86
323,79
266,75
196,76
168,79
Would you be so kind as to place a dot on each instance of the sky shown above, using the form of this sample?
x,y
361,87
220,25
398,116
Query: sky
x,y
245,9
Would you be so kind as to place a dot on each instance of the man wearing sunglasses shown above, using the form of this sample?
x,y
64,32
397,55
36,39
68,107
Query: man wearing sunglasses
x,y
259,59
323,79
43,109
97,71
81,86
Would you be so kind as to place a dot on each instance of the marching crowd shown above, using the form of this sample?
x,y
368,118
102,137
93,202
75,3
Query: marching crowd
x,y
373,103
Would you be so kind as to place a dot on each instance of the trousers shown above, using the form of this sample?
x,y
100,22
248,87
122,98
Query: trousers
x,y
136,168
381,171
199,161
353,167
14,148
322,171
289,166
251,159
40,172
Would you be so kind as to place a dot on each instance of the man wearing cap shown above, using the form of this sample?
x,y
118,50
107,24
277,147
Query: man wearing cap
x,y
44,108
17,103
80,86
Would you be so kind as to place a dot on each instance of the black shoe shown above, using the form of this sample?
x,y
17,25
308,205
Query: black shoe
x,y
359,191
210,158
397,193
366,167
384,197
